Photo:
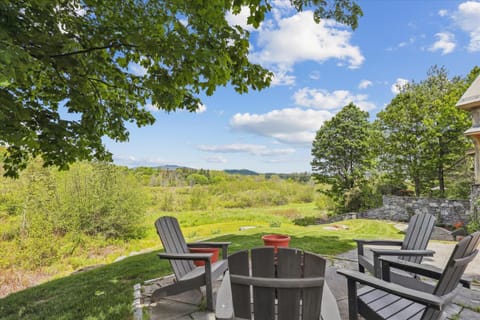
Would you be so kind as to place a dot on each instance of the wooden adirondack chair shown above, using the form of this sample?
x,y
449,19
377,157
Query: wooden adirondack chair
x,y
288,285
187,275
380,299
412,247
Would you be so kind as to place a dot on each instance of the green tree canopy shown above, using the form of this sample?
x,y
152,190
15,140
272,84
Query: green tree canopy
x,y
342,151
66,75
423,130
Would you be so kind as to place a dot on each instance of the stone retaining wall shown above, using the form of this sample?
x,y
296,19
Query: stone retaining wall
x,y
447,212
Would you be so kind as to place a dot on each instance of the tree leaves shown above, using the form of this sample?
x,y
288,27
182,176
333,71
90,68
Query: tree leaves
x,y
341,150
423,130
65,81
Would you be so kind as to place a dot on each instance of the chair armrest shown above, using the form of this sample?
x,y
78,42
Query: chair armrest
x,y
377,253
208,244
414,295
186,256
224,303
421,269
379,242
393,252
362,242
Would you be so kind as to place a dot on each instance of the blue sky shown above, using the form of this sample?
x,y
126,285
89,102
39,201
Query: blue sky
x,y
319,69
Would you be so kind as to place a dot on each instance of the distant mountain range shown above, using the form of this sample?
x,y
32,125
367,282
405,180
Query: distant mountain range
x,y
245,172
171,167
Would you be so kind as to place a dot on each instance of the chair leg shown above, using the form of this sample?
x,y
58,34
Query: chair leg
x,y
208,286
361,268
360,253
352,300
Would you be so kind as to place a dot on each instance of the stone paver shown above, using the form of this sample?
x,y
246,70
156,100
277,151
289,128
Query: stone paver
x,y
468,314
186,306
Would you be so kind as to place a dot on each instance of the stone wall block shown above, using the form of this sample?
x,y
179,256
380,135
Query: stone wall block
x,y
397,208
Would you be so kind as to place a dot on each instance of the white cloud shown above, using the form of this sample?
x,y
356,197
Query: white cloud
x,y
364,84
468,18
442,12
404,44
252,149
298,38
291,125
216,159
240,19
201,108
284,4
323,99
398,85
282,78
445,42
136,69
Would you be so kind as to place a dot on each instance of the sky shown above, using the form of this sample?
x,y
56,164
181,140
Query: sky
x,y
319,68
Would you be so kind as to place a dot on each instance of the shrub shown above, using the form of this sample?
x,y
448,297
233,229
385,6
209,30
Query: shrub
x,y
167,202
473,225
324,202
101,199
196,178
198,198
305,221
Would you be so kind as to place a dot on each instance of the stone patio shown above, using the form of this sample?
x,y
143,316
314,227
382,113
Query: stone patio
x,y
190,305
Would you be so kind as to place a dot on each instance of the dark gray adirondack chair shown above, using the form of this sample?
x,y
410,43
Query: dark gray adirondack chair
x,y
187,275
380,299
412,247
288,285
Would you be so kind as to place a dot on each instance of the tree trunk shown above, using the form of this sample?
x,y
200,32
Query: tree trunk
x,y
440,170
417,186
441,180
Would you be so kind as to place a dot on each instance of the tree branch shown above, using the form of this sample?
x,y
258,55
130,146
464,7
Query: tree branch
x,y
113,45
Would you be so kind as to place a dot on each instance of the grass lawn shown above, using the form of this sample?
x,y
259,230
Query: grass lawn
x,y
107,292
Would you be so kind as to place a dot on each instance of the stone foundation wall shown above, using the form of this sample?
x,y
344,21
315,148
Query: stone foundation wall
x,y
447,212
474,198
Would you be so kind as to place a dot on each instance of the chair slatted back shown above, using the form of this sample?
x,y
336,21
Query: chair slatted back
x,y
263,265
298,298
419,231
173,241
463,253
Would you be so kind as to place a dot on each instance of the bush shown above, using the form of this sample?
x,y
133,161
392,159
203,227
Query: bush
x,y
198,198
324,202
167,202
196,178
305,221
473,225
101,199
357,199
